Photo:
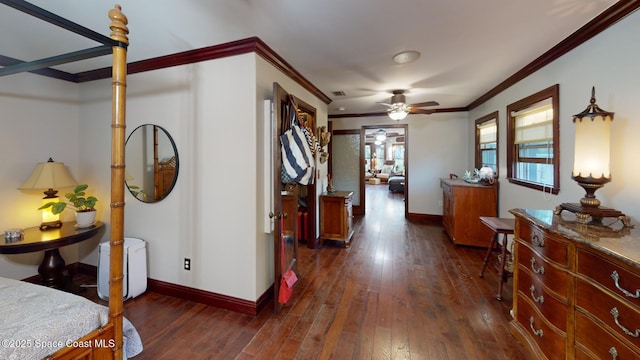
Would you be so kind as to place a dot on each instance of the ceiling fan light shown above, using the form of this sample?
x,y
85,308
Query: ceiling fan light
x,y
398,114
405,57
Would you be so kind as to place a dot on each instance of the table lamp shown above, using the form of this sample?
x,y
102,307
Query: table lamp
x,y
48,176
591,164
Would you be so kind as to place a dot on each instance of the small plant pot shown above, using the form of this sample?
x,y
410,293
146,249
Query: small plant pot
x,y
85,219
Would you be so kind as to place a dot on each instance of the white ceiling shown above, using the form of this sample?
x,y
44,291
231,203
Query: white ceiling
x,y
468,46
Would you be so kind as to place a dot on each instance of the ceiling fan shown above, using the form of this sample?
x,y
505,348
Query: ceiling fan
x,y
398,108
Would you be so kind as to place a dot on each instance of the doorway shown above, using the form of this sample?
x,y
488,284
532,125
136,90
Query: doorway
x,y
384,159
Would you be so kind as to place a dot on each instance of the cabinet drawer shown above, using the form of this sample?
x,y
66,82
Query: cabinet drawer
x,y
552,343
601,305
611,276
554,310
544,243
553,277
600,342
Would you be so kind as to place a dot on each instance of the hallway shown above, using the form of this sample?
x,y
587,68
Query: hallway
x,y
401,291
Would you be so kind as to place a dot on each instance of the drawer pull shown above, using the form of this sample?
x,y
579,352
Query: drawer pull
x,y
539,270
537,240
539,299
615,276
538,332
614,353
615,314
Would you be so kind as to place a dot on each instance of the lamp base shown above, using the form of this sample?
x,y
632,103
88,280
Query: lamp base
x,y
592,214
51,225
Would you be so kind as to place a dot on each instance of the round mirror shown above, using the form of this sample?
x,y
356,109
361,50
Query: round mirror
x,y
151,163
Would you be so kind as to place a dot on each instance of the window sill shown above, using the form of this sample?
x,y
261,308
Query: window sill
x,y
534,186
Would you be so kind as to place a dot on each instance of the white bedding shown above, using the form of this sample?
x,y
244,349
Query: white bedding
x,y
36,321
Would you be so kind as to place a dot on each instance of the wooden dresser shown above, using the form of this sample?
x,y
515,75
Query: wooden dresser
x,y
462,205
576,287
336,216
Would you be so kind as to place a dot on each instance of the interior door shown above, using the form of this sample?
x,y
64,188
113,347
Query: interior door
x,y
284,199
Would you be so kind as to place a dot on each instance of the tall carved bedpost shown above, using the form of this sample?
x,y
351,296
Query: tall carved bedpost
x,y
119,33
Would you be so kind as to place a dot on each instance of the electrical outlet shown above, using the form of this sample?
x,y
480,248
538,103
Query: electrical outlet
x,y
187,264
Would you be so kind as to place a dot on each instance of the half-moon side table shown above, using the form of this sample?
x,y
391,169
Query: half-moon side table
x,y
51,268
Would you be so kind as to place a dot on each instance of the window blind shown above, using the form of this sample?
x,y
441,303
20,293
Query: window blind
x,y
488,132
534,124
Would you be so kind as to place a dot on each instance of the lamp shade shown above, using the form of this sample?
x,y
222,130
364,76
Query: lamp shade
x,y
49,175
592,143
398,114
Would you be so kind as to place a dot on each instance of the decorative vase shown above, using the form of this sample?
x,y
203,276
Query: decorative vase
x,y
85,219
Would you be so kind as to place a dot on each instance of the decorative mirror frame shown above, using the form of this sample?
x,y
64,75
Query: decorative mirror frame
x,y
164,168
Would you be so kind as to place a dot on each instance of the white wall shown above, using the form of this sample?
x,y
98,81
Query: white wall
x,y
39,120
608,62
215,113
437,146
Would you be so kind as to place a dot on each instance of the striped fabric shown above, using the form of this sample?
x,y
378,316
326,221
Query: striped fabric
x,y
297,159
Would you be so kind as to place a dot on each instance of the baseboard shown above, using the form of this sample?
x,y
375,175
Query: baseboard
x,y
425,218
197,295
209,298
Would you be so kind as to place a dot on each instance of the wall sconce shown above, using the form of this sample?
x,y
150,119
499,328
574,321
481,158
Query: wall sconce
x,y
591,164
47,176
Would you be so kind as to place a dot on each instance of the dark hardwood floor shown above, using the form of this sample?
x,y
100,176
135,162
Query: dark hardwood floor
x,y
401,291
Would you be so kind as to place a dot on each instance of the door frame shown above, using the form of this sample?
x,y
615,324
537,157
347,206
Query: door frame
x,y
406,162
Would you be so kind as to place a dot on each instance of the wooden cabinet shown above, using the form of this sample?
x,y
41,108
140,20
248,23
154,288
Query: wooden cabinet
x,y
336,216
462,205
576,288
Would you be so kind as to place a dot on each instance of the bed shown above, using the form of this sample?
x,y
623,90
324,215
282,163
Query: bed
x,y
39,321
103,337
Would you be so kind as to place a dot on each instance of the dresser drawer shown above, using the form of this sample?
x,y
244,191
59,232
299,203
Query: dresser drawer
x,y
544,243
553,277
613,277
600,342
551,342
554,310
602,305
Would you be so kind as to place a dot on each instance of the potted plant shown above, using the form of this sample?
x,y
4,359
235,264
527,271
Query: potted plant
x,y
83,205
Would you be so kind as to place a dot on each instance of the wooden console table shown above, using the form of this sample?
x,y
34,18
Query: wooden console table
x,y
51,268
336,216
462,205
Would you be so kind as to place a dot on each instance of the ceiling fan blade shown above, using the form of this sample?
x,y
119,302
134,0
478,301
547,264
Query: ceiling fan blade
x,y
422,111
385,104
426,103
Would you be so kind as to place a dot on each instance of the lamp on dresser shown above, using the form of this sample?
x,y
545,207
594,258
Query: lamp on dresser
x,y
591,164
49,176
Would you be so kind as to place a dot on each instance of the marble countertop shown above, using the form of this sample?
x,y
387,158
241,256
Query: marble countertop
x,y
612,238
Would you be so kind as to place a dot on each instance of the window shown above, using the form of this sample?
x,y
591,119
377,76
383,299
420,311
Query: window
x,y
398,156
487,142
367,157
533,141
376,160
